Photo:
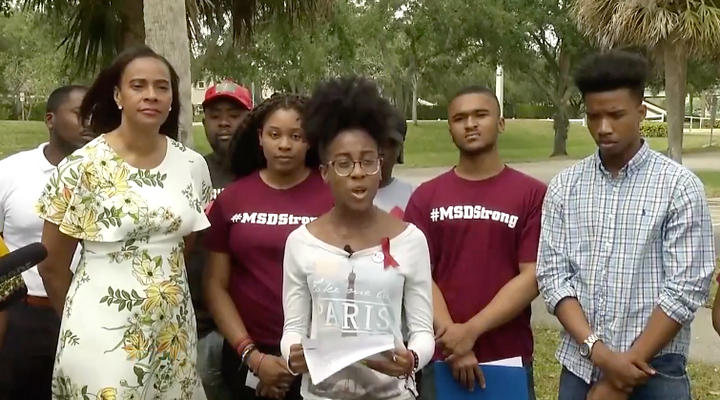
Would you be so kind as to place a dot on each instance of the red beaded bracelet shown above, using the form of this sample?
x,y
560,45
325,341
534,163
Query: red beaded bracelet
x,y
245,342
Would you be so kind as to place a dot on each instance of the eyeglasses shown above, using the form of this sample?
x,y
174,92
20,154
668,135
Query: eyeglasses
x,y
345,167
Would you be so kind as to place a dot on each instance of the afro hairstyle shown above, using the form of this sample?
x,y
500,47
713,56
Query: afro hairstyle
x,y
613,70
341,104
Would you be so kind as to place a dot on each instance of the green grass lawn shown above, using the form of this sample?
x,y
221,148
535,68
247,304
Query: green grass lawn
x,y
428,144
547,370
714,285
711,180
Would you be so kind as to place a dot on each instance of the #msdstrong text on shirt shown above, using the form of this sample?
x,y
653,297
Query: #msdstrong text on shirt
x,y
262,218
469,212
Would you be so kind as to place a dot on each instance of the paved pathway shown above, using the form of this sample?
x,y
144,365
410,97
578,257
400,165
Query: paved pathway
x,y
705,345
546,170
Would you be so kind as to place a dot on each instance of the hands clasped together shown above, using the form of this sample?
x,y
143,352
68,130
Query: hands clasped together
x,y
275,378
457,341
621,373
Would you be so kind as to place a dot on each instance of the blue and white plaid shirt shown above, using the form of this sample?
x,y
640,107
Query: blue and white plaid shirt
x,y
623,246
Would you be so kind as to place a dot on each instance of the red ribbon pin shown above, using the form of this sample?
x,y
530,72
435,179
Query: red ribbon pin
x,y
388,260
208,207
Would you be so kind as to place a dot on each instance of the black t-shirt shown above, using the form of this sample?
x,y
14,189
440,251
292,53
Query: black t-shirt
x,y
198,256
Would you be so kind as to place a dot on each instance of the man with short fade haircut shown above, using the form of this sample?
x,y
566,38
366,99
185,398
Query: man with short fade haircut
x,y
626,249
482,222
31,326
225,106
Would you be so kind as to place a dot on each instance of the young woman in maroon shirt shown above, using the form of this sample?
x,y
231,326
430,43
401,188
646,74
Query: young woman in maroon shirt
x,y
278,189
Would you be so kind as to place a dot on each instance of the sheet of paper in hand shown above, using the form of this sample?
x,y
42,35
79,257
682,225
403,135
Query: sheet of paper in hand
x,y
324,357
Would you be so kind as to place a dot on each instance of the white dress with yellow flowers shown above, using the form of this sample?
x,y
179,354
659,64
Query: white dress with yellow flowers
x,y
128,328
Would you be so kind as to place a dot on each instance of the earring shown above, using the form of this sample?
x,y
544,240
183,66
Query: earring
x,y
170,108
119,107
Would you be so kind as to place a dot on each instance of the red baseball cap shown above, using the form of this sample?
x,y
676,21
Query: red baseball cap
x,y
229,90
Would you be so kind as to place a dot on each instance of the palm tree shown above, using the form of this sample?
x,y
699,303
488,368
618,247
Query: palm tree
x,y
97,30
674,30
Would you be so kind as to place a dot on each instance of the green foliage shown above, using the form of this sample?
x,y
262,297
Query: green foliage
x,y
532,111
706,124
94,32
651,129
30,66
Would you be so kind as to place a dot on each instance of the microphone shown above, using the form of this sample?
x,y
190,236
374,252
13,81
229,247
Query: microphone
x,y
3,248
21,260
349,250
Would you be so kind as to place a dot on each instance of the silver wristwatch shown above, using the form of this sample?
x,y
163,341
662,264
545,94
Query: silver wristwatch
x,y
586,347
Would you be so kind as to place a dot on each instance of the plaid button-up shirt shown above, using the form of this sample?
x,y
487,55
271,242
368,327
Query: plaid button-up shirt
x,y
624,245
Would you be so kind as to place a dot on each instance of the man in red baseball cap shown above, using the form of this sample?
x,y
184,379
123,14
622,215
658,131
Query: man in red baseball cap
x,y
226,104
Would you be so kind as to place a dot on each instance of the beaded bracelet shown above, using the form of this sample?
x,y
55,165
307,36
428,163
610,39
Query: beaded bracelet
x,y
257,370
416,361
242,344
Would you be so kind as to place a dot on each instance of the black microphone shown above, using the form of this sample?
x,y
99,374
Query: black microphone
x,y
16,262
349,250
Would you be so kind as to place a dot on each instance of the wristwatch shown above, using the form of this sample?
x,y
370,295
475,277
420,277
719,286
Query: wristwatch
x,y
587,346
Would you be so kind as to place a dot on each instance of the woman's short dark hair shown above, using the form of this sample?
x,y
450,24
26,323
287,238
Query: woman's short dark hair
x,y
99,107
246,156
346,103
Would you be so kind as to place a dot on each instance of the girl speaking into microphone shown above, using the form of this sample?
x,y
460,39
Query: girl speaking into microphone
x,y
356,269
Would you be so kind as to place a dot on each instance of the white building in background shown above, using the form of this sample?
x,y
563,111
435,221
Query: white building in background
x,y
655,112
198,91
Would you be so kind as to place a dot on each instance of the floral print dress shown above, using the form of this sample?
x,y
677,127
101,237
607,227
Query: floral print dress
x,y
128,328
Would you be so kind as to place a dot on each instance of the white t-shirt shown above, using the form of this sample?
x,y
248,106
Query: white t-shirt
x,y
22,179
328,293
394,197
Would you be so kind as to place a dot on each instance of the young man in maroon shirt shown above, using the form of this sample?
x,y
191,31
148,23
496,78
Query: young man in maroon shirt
x,y
482,222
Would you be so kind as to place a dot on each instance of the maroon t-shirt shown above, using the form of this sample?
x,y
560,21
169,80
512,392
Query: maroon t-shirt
x,y
251,221
479,232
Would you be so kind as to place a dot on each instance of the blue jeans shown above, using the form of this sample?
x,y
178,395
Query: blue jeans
x,y
209,361
670,383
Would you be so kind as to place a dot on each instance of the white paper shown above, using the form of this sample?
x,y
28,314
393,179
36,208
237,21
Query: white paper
x,y
251,381
508,362
330,355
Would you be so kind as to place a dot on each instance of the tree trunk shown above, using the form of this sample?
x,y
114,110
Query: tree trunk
x,y
166,33
561,125
133,26
713,115
415,99
561,100
400,97
676,62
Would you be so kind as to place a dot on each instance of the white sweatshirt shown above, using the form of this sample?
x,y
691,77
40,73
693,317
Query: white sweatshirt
x,y
328,293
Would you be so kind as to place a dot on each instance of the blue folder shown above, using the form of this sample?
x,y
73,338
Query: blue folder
x,y
501,383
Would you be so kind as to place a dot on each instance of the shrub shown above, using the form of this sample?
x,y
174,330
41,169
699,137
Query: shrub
x,y
706,123
654,129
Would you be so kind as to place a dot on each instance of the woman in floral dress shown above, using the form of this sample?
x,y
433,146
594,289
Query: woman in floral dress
x,y
132,198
